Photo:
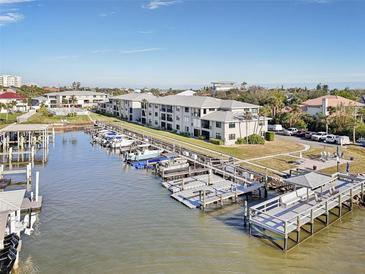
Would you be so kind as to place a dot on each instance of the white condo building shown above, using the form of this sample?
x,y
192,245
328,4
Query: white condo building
x,y
193,115
70,98
10,81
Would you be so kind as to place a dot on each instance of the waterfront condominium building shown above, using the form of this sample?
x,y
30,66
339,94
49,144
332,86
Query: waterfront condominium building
x,y
70,98
10,81
197,116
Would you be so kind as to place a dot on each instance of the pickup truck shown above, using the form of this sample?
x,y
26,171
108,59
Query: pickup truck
x,y
319,136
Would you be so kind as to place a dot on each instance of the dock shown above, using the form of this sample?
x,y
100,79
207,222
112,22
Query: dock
x,y
204,190
306,210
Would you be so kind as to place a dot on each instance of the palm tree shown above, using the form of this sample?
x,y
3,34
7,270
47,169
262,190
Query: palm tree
x,y
247,116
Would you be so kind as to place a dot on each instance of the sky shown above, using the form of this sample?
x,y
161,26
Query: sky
x,y
183,43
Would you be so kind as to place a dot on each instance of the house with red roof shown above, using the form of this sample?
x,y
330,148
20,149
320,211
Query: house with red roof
x,y
19,102
323,103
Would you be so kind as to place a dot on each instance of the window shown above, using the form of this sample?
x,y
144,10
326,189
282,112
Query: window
x,y
187,129
232,136
156,114
232,125
186,109
218,136
205,111
177,127
177,108
211,109
156,123
218,124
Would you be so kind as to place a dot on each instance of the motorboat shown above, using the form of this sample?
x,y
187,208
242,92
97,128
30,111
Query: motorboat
x,y
143,154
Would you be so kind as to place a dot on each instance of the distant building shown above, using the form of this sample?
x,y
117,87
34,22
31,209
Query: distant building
x,y
188,92
10,81
20,102
223,86
51,89
321,104
193,115
70,98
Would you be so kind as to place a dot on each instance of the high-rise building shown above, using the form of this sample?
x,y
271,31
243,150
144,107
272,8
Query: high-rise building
x,y
10,81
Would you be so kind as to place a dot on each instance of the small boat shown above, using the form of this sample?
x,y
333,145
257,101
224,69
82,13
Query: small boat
x,y
177,164
120,142
143,155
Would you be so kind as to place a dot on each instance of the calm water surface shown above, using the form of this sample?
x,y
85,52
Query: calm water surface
x,y
100,216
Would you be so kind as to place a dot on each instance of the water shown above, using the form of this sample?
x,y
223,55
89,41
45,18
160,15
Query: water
x,y
99,216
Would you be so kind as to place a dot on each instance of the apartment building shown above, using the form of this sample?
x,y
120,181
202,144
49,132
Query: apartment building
x,y
70,98
226,120
10,81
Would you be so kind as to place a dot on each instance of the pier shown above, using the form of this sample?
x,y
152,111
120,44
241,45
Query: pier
x,y
207,181
306,210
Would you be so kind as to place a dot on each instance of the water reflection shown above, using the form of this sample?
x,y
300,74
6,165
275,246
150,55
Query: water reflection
x,y
100,216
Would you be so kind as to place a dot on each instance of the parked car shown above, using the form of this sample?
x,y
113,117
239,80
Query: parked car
x,y
309,134
361,141
300,133
331,139
290,131
319,136
276,127
343,140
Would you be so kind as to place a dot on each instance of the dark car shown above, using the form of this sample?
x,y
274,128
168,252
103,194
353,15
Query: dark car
x,y
301,133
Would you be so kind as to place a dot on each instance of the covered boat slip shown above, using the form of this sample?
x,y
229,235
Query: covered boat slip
x,y
318,195
204,190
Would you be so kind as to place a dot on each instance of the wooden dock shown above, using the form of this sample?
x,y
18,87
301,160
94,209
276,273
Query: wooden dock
x,y
204,190
291,214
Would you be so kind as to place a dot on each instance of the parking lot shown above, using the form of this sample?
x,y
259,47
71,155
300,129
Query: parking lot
x,y
303,140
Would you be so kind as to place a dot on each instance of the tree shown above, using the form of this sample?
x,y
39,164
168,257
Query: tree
x,y
247,116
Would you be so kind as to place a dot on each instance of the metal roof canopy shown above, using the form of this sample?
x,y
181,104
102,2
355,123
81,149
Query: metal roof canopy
x,y
311,180
24,127
11,200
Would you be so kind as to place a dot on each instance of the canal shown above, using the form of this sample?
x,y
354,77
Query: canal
x,y
101,216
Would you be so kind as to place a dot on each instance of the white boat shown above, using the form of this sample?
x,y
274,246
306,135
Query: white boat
x,y
123,142
177,164
143,154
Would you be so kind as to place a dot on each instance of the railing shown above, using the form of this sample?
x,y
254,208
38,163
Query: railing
x,y
312,212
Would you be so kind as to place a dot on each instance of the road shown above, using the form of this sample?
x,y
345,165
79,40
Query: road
x,y
304,141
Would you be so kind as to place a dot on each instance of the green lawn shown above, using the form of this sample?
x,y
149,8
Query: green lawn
x,y
280,163
8,119
238,151
40,118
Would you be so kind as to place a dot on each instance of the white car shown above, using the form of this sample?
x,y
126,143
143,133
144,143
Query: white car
x,y
276,127
290,131
343,140
319,136
331,139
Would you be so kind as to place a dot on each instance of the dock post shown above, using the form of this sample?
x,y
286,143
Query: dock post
x,y
1,171
53,135
327,214
351,199
245,214
29,174
32,152
285,236
312,222
298,229
339,206
10,154
36,186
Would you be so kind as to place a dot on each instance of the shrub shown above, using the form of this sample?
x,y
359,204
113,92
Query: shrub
x,y
185,134
252,139
201,137
216,141
270,136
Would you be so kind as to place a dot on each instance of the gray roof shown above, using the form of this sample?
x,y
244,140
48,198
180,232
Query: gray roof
x,y
11,200
310,180
220,116
75,93
187,101
24,127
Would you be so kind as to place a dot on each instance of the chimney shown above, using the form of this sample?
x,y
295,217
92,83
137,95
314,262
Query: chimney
x,y
325,106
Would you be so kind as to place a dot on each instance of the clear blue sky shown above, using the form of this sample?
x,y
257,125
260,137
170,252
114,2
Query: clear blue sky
x,y
183,43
